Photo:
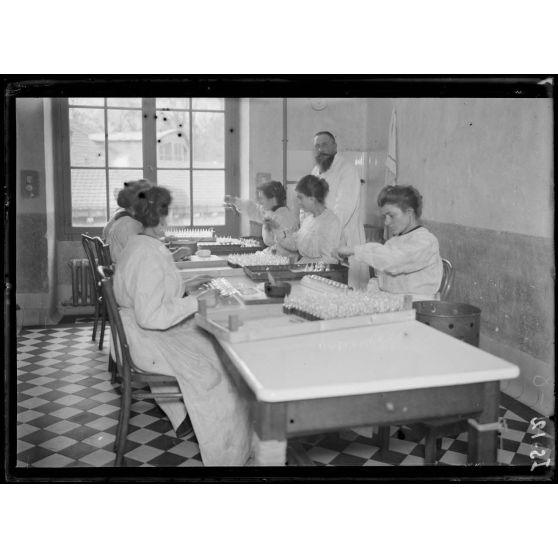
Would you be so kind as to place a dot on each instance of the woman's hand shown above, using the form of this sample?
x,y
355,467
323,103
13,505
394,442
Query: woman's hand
x,y
232,202
181,253
196,282
344,252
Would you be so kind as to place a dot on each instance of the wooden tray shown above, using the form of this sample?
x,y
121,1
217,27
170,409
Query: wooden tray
x,y
251,323
290,272
198,262
226,249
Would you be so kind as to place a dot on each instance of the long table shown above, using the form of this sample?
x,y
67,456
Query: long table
x,y
383,374
392,373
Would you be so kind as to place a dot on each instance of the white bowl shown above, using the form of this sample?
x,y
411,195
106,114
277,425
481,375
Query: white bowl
x,y
203,253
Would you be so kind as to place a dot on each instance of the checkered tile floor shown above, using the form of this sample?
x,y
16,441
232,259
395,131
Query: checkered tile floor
x,y
67,415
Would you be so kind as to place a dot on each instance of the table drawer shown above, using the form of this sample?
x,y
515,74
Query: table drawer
x,y
399,407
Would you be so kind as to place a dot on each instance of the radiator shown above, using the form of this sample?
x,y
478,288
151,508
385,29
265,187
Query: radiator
x,y
83,286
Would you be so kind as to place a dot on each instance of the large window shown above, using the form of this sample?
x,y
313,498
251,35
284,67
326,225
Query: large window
x,y
179,143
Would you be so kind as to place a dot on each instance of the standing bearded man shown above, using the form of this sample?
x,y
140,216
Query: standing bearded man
x,y
344,199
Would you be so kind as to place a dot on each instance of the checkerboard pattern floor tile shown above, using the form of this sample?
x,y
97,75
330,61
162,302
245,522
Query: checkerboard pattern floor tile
x,y
67,414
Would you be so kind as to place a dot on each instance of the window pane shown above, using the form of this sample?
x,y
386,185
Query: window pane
x,y
172,139
124,135
94,101
123,102
209,139
172,103
87,137
116,183
209,192
201,103
89,197
178,182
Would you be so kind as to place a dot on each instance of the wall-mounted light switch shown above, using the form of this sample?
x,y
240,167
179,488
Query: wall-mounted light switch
x,y
29,183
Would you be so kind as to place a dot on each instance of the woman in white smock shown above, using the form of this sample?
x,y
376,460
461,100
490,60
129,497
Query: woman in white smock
x,y
272,211
409,262
320,233
125,199
123,225
164,339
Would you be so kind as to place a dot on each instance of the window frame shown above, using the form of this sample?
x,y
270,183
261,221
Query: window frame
x,y
63,195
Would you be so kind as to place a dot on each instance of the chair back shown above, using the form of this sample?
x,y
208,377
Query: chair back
x,y
103,252
96,254
124,363
88,243
447,279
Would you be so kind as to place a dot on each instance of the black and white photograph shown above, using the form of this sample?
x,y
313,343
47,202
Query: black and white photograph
x,y
279,279
236,276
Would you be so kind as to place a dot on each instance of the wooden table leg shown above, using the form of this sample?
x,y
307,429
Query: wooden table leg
x,y
483,444
269,442
269,452
382,437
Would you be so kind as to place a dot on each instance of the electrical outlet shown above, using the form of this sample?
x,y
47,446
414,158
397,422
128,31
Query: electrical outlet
x,y
29,183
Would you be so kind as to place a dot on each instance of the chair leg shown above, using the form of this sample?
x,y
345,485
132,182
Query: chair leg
x,y
103,324
430,446
96,320
112,369
122,432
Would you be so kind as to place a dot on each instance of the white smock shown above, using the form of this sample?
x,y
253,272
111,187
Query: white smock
x,y
282,216
345,200
409,263
318,238
119,233
149,289
115,216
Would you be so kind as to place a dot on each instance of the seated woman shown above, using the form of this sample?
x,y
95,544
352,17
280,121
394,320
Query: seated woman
x,y
271,208
320,232
409,262
124,200
122,225
163,339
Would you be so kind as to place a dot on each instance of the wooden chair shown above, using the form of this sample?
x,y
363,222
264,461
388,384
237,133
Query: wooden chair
x,y
103,252
134,382
90,246
104,259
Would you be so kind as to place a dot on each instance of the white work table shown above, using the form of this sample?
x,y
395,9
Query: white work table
x,y
373,359
389,373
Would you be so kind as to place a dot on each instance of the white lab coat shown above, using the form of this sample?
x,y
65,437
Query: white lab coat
x,y
409,263
318,238
284,218
149,289
119,233
345,200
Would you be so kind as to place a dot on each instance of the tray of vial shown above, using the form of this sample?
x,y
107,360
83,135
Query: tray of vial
x,y
336,272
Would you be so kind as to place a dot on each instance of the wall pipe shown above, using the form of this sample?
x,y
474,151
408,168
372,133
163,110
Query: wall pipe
x,y
284,141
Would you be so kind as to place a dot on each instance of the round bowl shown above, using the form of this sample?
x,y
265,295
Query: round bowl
x,y
278,290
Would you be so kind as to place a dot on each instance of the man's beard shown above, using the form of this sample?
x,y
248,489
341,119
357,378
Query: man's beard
x,y
324,161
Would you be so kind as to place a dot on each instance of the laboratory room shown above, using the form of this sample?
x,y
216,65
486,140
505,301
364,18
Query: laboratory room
x,y
296,282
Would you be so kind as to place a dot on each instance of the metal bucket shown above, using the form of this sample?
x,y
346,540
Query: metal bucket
x,y
454,318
